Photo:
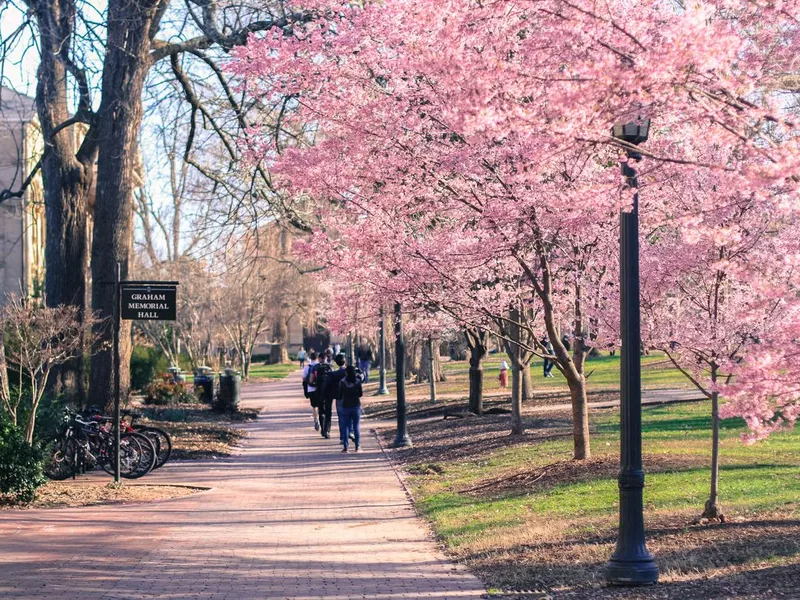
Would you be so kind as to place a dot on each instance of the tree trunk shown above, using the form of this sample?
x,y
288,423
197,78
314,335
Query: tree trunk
x,y
429,349
516,400
516,374
279,353
67,180
580,418
712,508
476,342
246,360
527,384
431,362
117,132
414,360
5,392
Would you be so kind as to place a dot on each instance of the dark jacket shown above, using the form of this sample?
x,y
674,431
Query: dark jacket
x,y
350,393
330,385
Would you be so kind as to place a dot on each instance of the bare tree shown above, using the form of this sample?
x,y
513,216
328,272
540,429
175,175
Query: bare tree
x,y
93,67
39,338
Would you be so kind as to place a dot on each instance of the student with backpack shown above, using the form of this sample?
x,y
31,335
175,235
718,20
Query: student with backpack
x,y
330,394
350,393
365,360
310,387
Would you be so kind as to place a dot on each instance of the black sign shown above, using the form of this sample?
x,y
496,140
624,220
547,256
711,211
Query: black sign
x,y
148,303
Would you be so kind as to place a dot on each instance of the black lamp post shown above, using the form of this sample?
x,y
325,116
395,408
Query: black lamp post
x,y
631,563
401,440
382,390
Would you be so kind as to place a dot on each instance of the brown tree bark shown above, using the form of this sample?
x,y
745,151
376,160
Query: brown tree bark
x,y
515,351
279,352
5,392
119,118
424,372
712,509
67,175
476,342
527,383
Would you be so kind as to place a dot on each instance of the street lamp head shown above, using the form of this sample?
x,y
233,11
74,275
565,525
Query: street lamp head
x,y
635,132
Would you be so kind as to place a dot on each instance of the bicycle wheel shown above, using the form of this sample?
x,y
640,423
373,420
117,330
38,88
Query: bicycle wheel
x,y
139,455
161,440
62,462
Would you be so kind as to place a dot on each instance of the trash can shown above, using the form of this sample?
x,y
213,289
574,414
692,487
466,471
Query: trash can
x,y
230,387
176,374
204,384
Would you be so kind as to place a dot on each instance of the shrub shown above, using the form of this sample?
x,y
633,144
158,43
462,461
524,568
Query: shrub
x,y
146,363
166,391
21,465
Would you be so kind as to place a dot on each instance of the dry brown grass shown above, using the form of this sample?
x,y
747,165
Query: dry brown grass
x,y
754,558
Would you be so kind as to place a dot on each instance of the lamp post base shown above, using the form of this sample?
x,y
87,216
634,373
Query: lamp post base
x,y
382,392
402,442
631,572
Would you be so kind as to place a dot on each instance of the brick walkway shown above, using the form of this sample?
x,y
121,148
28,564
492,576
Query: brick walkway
x,y
290,517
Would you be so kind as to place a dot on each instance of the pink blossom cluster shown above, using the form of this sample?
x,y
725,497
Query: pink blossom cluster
x,y
464,163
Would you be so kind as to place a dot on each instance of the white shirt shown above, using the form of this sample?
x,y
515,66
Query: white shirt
x,y
503,366
306,369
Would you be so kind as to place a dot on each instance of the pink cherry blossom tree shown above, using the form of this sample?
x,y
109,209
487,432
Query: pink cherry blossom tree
x,y
464,155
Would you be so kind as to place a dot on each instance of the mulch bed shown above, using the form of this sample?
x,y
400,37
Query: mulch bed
x,y
64,494
198,432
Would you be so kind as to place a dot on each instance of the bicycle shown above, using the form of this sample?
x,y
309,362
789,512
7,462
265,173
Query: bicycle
x,y
83,445
160,438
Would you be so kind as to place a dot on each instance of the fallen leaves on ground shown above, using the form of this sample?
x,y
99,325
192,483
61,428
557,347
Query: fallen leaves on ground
x,y
67,494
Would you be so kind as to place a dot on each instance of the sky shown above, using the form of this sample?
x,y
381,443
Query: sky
x,y
20,71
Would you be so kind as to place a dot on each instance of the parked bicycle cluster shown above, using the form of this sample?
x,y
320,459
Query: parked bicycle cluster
x,y
87,441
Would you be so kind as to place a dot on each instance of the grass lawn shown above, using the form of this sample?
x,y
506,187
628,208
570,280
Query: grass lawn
x,y
262,371
524,516
603,372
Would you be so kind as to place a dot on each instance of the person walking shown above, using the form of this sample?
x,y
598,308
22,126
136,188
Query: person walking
x,y
365,358
548,364
330,394
301,356
503,375
350,393
309,388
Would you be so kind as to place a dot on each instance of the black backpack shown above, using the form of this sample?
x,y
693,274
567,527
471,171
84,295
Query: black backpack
x,y
317,374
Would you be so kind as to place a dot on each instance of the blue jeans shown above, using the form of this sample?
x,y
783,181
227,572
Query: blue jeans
x,y
350,421
364,366
340,417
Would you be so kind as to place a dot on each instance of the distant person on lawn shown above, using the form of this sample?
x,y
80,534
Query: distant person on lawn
x,y
350,393
330,394
503,375
301,356
309,388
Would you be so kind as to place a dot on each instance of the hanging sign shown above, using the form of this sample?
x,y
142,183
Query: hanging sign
x,y
143,302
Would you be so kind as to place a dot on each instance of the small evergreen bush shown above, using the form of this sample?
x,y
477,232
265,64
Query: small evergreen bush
x,y
146,363
21,465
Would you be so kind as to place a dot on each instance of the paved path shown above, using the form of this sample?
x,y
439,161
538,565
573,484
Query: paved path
x,y
290,517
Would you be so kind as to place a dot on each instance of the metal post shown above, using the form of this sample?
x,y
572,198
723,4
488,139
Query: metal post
x,y
382,389
402,439
117,317
631,563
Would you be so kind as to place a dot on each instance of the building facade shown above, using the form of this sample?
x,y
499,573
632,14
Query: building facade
x,y
22,223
